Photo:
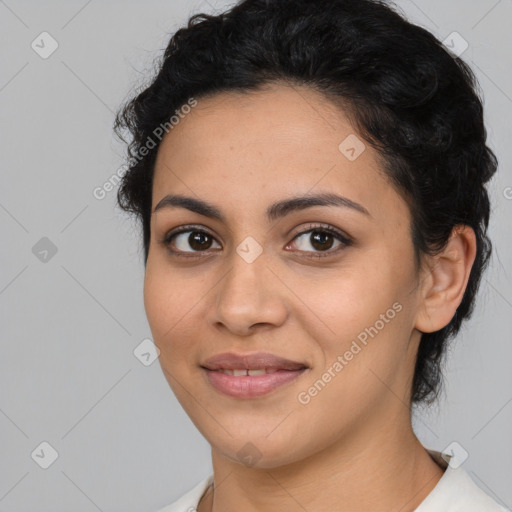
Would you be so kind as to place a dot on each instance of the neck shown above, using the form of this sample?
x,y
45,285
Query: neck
x,y
378,472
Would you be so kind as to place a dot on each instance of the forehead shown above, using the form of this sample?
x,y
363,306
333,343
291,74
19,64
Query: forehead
x,y
273,143
280,113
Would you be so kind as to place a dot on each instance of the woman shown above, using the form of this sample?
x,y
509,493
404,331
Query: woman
x,y
310,179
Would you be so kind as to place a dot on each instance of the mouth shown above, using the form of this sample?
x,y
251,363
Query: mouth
x,y
251,372
250,375
251,362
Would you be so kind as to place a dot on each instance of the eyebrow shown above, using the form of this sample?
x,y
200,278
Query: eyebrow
x,y
274,211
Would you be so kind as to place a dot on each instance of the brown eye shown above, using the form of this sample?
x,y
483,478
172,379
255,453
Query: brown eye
x,y
199,241
321,239
188,241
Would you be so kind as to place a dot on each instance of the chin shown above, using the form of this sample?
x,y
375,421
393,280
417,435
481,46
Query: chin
x,y
258,452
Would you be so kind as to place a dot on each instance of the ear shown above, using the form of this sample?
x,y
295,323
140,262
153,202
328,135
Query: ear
x,y
444,283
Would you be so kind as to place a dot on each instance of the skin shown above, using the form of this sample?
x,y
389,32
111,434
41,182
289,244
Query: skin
x,y
352,447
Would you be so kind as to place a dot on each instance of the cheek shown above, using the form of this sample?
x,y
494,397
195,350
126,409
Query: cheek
x,y
169,304
155,297
348,300
361,313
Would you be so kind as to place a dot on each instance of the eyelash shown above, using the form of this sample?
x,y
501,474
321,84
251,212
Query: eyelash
x,y
319,228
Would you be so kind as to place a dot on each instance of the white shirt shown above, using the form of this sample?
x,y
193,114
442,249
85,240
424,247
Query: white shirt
x,y
455,492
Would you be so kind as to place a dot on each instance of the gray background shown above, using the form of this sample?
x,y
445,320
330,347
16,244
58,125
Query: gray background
x,y
70,324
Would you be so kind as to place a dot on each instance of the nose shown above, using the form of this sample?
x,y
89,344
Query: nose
x,y
248,298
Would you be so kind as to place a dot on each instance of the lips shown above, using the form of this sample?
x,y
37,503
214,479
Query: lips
x,y
230,362
250,376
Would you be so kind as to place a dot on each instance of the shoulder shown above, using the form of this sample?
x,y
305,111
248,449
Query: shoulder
x,y
457,492
188,502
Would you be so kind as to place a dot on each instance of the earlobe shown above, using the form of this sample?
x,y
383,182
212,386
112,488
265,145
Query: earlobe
x,y
444,285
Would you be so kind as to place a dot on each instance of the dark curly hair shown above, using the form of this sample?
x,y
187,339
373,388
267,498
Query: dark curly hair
x,y
411,99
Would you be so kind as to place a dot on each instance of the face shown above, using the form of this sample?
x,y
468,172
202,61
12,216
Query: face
x,y
331,287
